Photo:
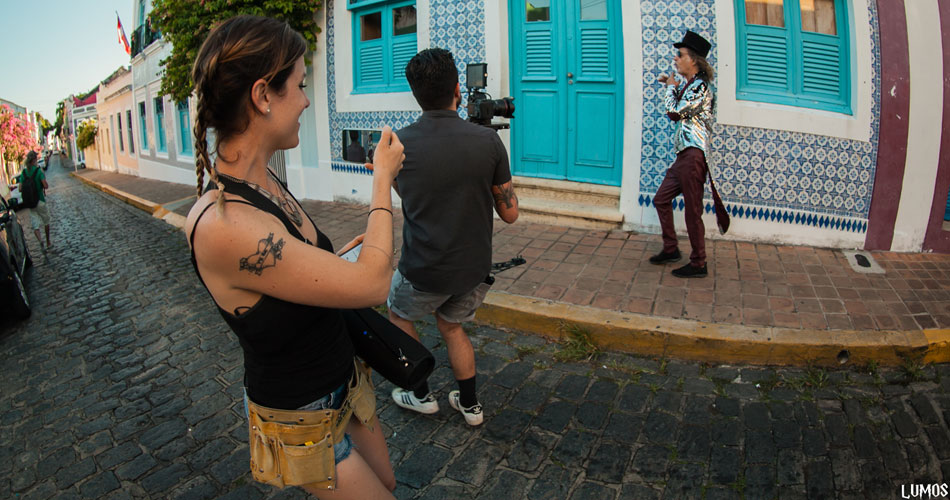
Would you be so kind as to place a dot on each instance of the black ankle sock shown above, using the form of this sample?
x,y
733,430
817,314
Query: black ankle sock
x,y
421,391
467,392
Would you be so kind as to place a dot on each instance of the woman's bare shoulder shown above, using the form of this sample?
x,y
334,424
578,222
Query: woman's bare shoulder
x,y
209,217
198,209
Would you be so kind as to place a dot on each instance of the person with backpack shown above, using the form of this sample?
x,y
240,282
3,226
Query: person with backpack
x,y
32,184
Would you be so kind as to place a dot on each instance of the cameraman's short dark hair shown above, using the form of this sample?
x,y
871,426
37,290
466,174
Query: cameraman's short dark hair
x,y
432,76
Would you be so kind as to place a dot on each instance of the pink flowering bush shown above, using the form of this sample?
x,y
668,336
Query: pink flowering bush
x,y
16,136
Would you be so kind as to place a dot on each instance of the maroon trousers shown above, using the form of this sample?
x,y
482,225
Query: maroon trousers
x,y
687,175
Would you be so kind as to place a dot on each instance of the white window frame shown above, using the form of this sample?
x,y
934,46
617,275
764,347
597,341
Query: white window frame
x,y
121,140
148,148
346,100
185,156
153,92
731,111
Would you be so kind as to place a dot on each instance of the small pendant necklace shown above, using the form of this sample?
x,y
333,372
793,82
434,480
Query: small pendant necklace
x,y
288,207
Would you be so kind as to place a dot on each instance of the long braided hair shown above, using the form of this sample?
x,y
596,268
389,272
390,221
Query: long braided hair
x,y
237,53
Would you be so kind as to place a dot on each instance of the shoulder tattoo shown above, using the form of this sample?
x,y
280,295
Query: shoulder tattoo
x,y
267,255
505,194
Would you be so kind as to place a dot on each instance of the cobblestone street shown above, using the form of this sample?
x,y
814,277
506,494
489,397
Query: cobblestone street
x,y
126,383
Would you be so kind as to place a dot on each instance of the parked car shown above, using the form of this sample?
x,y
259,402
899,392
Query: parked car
x,y
14,261
13,197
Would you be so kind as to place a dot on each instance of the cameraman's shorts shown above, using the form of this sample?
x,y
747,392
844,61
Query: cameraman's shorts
x,y
410,303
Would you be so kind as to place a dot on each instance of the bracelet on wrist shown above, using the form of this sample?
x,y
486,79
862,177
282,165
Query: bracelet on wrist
x,y
380,208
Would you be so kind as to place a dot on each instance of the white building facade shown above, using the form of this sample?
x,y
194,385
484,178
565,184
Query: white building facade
x,y
162,128
802,148
78,110
829,122
116,142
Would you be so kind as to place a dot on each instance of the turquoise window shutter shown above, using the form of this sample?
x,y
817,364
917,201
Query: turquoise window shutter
x,y
160,125
404,47
766,58
370,67
822,65
791,66
380,56
128,121
184,128
143,130
118,118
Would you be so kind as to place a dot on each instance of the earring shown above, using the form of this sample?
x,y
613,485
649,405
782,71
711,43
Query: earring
x,y
268,110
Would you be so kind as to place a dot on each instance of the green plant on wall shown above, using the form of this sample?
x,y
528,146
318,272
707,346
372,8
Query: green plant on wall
x,y
186,23
86,133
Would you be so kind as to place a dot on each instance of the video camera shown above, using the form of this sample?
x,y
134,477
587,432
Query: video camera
x,y
481,107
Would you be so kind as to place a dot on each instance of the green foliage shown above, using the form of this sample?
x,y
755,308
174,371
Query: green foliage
x,y
186,23
914,370
86,134
60,117
578,345
524,351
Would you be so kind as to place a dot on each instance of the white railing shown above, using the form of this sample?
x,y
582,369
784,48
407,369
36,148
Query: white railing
x,y
278,162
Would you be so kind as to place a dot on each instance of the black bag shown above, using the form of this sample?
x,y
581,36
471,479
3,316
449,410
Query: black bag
x,y
387,349
31,196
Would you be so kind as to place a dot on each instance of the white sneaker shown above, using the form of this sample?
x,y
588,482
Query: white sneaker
x,y
472,414
409,401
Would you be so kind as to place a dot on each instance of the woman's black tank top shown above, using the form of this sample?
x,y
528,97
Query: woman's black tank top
x,y
293,354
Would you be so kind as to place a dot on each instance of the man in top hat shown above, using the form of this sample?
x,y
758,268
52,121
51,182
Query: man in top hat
x,y
690,106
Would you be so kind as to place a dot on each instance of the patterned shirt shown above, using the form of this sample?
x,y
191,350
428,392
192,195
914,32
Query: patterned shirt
x,y
692,110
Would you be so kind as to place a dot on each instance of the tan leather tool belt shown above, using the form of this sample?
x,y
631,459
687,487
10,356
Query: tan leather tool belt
x,y
295,447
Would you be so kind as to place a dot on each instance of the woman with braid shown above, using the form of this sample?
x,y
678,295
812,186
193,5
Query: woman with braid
x,y
273,275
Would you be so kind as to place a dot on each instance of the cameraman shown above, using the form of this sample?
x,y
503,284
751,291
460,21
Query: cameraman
x,y
454,174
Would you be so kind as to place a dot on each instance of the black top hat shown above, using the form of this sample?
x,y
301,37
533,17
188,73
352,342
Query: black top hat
x,y
695,41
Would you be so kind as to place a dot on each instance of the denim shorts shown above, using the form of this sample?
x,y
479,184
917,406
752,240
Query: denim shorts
x,y
410,303
332,401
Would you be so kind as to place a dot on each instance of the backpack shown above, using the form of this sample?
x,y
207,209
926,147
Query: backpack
x,y
31,196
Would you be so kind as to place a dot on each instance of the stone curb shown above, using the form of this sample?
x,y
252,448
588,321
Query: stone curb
x,y
157,210
711,342
678,338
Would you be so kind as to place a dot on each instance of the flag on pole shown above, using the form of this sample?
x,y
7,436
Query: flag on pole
x,y
122,39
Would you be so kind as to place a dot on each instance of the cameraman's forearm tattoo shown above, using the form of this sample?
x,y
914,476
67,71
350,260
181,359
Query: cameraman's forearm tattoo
x,y
267,255
506,195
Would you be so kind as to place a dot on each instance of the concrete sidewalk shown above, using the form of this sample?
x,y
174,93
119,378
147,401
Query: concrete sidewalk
x,y
760,304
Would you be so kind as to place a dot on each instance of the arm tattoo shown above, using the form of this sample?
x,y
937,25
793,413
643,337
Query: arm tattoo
x,y
506,195
267,255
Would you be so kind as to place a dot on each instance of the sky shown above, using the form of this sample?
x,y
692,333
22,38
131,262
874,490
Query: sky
x,y
50,49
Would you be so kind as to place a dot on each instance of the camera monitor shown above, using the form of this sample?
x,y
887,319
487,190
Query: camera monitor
x,y
476,75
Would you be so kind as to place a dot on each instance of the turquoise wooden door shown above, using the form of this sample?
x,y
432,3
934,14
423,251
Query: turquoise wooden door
x,y
567,82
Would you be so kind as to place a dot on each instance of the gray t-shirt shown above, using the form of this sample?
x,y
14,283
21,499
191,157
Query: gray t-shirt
x,y
445,185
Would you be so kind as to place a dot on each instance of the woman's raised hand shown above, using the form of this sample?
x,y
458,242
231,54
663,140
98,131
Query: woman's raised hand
x,y
388,156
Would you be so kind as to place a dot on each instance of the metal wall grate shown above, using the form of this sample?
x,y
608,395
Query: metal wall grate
x,y
278,162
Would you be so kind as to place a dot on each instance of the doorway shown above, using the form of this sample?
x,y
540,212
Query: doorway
x,y
567,80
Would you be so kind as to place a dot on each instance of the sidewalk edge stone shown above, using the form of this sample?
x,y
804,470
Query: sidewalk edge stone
x,y
677,338
131,199
701,341
170,218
